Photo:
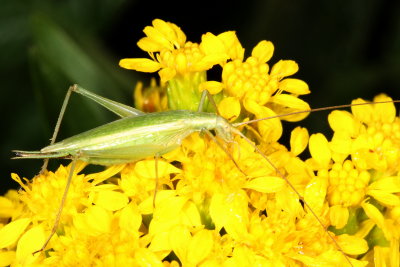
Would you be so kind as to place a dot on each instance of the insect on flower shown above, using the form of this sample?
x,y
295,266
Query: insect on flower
x,y
138,135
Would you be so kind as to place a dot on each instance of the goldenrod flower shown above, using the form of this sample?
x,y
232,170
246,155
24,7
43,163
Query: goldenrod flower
x,y
152,98
260,90
358,169
180,63
221,204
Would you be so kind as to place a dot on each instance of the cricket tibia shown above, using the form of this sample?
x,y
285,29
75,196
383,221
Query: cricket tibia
x,y
19,154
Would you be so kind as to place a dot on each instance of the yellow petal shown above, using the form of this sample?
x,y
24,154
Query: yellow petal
x,y
6,207
145,257
342,121
387,184
352,245
130,219
374,214
263,51
341,143
319,149
191,215
394,252
385,198
139,64
267,184
384,112
30,242
180,35
289,201
162,33
364,113
294,86
271,129
231,212
170,208
10,233
213,87
149,45
284,68
291,104
232,45
96,221
200,246
181,63
315,193
146,206
7,258
208,61
229,108
111,200
339,216
166,74
365,227
298,140
179,239
147,168
211,44
164,28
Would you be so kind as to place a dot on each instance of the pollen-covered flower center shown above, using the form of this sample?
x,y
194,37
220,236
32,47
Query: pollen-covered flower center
x,y
182,59
347,185
379,147
249,77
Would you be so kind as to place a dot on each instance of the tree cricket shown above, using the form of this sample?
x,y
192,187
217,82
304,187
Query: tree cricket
x,y
138,135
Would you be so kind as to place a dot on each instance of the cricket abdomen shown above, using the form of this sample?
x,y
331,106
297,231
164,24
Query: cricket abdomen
x,y
133,138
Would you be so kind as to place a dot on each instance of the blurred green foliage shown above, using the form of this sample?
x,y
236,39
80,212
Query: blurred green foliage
x,y
345,49
47,46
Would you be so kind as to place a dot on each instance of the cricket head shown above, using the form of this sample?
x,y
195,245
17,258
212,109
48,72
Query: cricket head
x,y
224,130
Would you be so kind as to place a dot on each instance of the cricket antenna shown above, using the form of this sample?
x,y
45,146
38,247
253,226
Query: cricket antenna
x,y
312,110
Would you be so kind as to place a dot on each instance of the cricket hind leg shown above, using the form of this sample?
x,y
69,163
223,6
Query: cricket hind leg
x,y
115,107
58,124
60,209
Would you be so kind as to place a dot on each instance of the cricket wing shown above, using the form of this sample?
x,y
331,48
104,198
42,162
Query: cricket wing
x,y
133,153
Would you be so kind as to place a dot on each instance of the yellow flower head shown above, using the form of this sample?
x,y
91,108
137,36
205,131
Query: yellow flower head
x,y
180,63
152,98
172,55
358,171
216,203
260,90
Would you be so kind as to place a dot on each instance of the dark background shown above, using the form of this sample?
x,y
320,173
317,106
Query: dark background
x,y
345,50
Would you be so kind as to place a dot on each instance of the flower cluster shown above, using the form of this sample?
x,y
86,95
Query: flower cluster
x,y
251,202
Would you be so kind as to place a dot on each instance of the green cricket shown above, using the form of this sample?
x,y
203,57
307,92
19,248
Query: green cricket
x,y
138,135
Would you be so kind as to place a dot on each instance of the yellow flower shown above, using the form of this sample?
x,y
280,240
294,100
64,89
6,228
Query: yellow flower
x,y
210,203
180,63
259,89
99,223
152,98
358,171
